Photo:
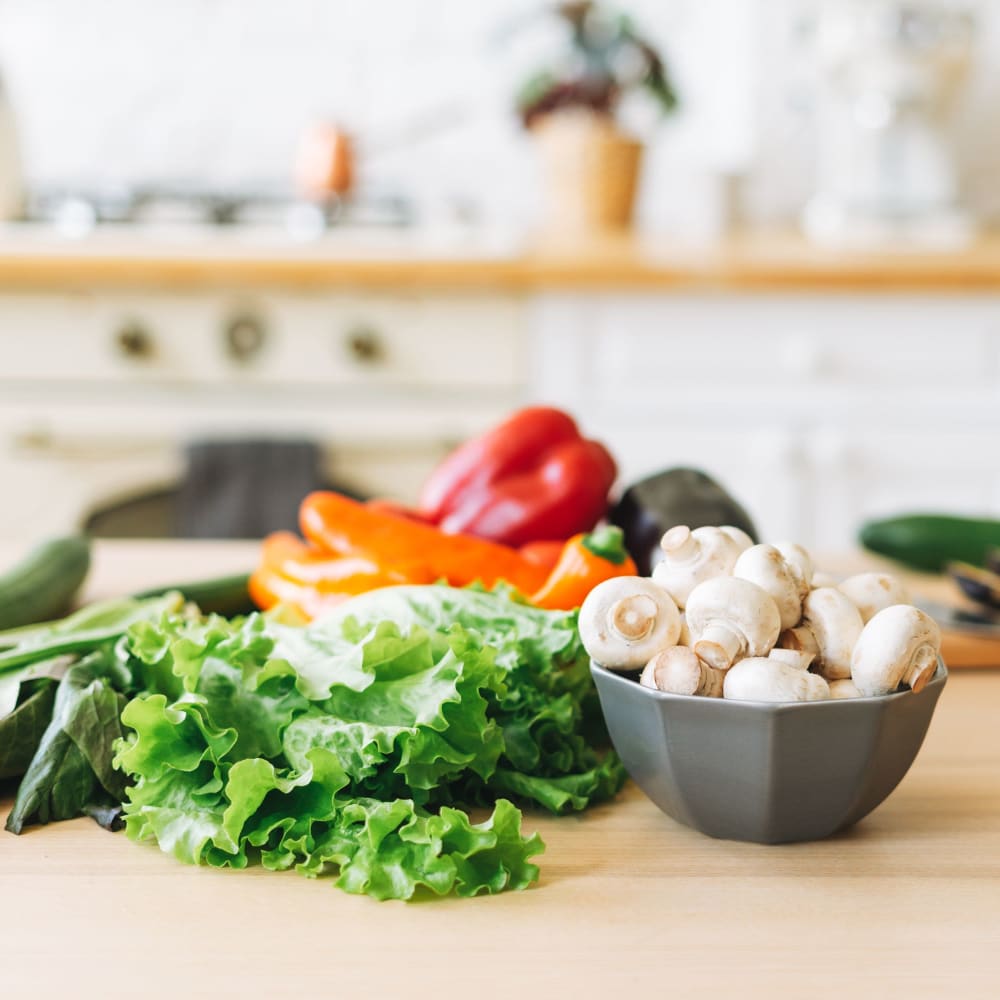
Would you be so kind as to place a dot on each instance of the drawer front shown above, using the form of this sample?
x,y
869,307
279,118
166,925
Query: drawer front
x,y
455,342
710,348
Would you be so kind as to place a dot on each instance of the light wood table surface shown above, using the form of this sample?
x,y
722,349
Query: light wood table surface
x,y
630,904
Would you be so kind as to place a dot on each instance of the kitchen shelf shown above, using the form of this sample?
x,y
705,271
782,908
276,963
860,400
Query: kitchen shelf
x,y
33,257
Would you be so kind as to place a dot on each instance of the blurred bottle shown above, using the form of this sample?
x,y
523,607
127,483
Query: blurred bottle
x,y
324,165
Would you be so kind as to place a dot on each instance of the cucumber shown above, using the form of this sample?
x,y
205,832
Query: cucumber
x,y
223,595
43,584
930,541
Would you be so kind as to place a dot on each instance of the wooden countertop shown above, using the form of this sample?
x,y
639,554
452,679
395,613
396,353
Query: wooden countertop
x,y
629,903
33,258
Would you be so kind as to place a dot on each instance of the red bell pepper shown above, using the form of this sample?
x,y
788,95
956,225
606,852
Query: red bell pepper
x,y
532,478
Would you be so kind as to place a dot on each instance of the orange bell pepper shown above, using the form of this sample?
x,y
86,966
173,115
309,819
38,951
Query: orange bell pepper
x,y
586,561
354,549
268,588
340,526
294,573
545,554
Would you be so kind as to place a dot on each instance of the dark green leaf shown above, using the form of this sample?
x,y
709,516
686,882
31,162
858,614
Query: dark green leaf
x,y
21,731
73,759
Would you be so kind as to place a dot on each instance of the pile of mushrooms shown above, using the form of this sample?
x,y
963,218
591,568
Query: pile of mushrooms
x,y
722,617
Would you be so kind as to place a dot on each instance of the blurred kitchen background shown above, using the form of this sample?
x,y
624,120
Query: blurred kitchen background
x,y
254,246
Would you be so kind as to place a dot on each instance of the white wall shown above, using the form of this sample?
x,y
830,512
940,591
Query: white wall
x,y
218,91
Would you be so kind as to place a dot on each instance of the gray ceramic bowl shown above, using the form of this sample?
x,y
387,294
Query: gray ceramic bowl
x,y
761,771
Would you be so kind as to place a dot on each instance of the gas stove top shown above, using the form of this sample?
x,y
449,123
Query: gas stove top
x,y
77,213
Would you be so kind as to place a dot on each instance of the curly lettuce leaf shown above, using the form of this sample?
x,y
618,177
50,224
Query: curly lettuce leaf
x,y
421,722
553,732
347,747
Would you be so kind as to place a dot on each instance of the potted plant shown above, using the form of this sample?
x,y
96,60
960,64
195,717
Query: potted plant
x,y
591,163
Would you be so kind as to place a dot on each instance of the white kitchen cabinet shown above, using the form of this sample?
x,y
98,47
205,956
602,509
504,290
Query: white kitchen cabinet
x,y
99,391
817,411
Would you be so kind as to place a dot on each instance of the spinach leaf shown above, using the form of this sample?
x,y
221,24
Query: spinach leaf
x,y
21,730
71,768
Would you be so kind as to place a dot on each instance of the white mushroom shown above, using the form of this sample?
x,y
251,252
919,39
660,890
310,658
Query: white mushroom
x,y
821,579
738,535
871,592
799,640
691,557
684,639
677,670
900,645
765,566
800,659
832,624
763,679
625,621
731,618
844,688
800,561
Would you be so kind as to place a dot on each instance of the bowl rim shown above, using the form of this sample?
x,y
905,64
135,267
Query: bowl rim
x,y
934,684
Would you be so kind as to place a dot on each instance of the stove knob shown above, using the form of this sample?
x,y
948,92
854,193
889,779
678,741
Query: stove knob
x,y
364,344
134,341
245,335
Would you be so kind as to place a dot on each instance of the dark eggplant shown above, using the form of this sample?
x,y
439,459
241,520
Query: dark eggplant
x,y
677,496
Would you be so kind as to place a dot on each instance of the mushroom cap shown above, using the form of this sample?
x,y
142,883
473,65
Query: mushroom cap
x,y
763,679
766,566
677,670
737,605
836,626
844,688
626,620
871,592
900,645
821,579
738,535
800,561
691,557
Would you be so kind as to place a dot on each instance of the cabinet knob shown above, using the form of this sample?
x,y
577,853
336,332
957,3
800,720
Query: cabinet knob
x,y
135,342
365,345
245,336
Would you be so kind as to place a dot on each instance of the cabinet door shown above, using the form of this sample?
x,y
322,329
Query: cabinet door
x,y
818,411
856,477
761,466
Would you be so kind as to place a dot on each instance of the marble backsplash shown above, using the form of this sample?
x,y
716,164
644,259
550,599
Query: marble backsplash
x,y
216,93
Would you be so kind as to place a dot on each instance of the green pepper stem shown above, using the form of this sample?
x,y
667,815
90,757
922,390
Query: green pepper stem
x,y
607,542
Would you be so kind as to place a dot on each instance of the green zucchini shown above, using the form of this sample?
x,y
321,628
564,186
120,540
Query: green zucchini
x,y
223,595
43,584
930,541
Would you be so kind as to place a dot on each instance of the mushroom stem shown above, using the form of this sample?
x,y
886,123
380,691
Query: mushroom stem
x,y
921,668
633,617
679,544
678,671
800,638
719,646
